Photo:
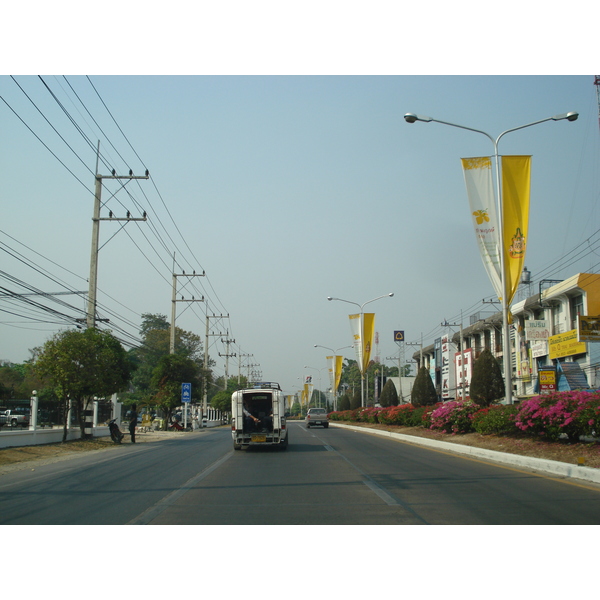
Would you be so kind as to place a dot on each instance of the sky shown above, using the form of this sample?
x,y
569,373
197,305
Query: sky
x,y
281,165
284,190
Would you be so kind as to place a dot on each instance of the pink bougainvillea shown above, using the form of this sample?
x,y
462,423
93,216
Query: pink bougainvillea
x,y
572,413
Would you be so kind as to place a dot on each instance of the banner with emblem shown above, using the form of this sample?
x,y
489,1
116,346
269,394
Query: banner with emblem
x,y
335,372
516,185
363,334
480,191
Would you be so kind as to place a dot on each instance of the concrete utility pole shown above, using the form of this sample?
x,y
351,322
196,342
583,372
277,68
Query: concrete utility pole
x,y
174,303
420,344
91,311
241,356
205,393
227,355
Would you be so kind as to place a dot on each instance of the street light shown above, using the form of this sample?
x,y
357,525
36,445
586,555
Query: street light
x,y
333,388
319,370
506,349
361,306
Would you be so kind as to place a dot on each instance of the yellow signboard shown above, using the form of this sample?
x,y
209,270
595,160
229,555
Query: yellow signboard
x,y
565,344
588,328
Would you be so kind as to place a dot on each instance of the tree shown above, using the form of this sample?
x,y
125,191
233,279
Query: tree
x,y
344,403
173,370
221,400
156,333
487,384
389,395
423,392
81,365
355,400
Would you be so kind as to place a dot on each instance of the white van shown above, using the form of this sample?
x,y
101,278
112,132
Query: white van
x,y
258,417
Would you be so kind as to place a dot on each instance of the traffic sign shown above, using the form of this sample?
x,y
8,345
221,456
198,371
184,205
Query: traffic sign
x,y
186,392
398,336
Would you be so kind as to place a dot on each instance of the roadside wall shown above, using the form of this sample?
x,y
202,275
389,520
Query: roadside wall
x,y
27,437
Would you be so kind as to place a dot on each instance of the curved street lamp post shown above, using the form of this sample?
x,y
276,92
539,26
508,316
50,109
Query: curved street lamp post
x,y
506,346
361,306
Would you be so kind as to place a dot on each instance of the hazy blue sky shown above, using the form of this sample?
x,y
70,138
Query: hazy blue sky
x,y
289,189
285,190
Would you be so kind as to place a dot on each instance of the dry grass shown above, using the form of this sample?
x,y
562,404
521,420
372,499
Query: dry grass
x,y
15,458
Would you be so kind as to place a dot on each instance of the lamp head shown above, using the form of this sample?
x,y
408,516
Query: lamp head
x,y
329,298
570,116
411,118
391,294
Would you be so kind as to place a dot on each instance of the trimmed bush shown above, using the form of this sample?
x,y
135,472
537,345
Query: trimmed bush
x,y
423,392
497,419
487,384
389,395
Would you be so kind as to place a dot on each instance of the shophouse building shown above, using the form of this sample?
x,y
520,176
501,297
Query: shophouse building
x,y
553,329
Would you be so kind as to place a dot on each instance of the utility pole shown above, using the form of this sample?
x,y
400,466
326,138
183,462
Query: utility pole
x,y
93,284
462,353
251,367
205,393
421,346
174,302
227,355
241,356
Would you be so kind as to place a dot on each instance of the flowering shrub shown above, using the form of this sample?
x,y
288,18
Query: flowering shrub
x,y
573,413
499,418
368,414
397,415
422,415
453,417
344,415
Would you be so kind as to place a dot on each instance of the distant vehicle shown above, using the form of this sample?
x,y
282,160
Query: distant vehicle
x,y
267,425
16,416
316,416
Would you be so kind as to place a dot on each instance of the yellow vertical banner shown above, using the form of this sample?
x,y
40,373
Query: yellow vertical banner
x,y
367,341
339,362
516,185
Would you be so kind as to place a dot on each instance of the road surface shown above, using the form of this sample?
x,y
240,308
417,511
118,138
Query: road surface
x,y
326,476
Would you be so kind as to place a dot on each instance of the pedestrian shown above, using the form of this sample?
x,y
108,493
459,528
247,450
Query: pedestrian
x,y
133,422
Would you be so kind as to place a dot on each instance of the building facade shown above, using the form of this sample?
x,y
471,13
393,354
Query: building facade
x,y
545,335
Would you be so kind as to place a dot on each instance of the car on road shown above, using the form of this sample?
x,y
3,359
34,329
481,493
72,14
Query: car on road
x,y
316,416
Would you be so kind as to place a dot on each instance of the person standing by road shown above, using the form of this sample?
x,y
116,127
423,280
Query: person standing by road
x,y
133,422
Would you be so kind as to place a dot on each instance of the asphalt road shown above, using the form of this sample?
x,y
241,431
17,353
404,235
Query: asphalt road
x,y
326,476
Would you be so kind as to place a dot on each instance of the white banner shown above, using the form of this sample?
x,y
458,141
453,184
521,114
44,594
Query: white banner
x,y
331,360
480,190
355,328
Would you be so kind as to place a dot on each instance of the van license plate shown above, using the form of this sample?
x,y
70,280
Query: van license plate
x,y
259,438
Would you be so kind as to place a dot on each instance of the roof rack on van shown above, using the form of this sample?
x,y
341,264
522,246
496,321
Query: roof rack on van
x,y
261,385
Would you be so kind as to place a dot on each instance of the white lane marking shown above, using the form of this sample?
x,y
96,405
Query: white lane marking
x,y
148,515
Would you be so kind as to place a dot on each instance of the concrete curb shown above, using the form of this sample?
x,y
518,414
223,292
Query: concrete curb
x,y
552,467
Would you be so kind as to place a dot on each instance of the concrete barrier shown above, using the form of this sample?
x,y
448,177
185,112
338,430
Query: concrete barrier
x,y
26,437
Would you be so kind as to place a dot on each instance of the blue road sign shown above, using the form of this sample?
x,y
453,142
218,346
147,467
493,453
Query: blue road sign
x,y
186,392
398,336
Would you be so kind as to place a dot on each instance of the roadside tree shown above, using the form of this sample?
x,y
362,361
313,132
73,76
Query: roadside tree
x,y
487,384
423,392
81,365
389,395
173,370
